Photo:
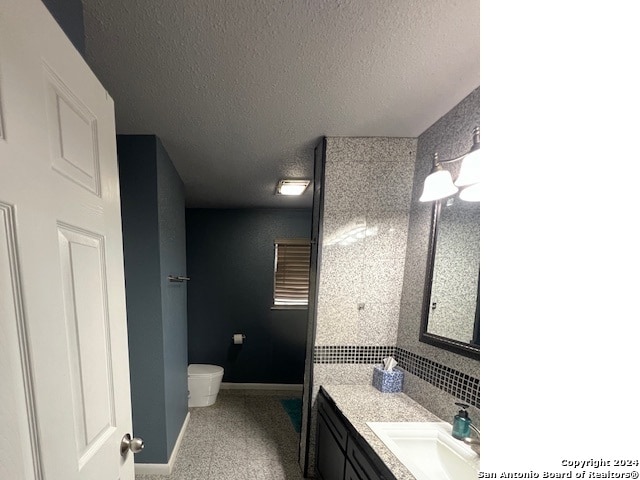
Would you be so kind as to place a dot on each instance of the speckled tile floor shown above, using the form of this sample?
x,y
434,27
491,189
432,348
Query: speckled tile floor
x,y
245,435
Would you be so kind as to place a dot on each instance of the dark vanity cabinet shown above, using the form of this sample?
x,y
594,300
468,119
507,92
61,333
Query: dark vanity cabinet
x,y
330,456
341,454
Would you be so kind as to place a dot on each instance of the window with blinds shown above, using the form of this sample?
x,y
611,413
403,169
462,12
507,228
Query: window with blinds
x,y
291,273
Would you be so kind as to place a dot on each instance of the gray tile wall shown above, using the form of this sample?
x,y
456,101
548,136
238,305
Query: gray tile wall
x,y
368,184
367,195
451,136
373,264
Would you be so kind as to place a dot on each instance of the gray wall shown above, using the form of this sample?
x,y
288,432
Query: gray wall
x,y
367,191
230,261
451,136
152,203
376,182
69,15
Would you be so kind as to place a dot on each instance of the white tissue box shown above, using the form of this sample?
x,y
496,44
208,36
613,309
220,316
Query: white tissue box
x,y
388,382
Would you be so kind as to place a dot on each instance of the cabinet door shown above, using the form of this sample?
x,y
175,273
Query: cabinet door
x,y
350,473
327,408
360,463
330,458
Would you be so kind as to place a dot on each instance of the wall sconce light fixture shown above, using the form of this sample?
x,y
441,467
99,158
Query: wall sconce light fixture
x,y
439,183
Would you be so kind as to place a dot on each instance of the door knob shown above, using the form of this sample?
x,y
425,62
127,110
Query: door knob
x,y
134,444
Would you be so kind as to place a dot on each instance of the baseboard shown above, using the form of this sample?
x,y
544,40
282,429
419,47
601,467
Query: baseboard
x,y
164,468
261,386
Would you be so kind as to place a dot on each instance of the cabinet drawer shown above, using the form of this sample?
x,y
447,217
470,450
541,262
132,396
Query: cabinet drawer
x,y
334,423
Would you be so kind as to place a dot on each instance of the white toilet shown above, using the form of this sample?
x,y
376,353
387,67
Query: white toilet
x,y
204,384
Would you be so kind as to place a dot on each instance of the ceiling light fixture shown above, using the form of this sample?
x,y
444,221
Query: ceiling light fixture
x,y
292,187
439,183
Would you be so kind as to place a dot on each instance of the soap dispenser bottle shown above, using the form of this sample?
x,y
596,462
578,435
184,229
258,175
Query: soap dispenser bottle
x,y
461,423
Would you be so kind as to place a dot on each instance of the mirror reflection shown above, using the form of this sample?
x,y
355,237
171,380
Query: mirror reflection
x,y
451,303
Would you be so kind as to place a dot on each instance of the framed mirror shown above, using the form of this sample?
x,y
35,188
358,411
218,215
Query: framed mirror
x,y
451,301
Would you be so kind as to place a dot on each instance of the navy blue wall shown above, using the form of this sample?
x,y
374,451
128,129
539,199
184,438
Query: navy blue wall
x,y
230,262
173,261
138,198
68,14
152,204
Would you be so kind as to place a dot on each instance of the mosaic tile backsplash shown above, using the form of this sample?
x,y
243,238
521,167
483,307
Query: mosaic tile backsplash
x,y
449,380
351,353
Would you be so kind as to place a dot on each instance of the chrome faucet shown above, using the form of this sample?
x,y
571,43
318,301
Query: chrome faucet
x,y
473,442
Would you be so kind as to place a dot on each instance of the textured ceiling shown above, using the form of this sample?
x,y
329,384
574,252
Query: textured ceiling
x,y
240,91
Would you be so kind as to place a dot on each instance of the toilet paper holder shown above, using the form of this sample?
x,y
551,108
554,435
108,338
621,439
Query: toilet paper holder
x,y
244,337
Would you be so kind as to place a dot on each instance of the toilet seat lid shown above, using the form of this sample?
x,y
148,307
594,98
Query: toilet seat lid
x,y
202,369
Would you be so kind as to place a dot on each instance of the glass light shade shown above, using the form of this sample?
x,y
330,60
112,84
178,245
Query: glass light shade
x,y
469,170
438,184
471,193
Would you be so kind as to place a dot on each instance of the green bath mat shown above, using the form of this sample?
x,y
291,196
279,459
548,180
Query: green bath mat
x,y
293,407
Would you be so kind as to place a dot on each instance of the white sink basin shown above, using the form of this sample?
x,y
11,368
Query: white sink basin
x,y
428,450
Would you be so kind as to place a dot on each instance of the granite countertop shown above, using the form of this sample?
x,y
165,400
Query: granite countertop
x,y
364,403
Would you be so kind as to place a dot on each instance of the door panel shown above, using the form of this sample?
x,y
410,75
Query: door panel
x,y
19,453
88,335
72,134
59,185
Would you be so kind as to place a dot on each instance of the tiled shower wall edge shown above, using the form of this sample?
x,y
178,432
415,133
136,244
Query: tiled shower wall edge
x,y
449,380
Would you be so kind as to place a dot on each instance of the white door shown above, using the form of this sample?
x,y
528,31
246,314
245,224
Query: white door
x,y
64,372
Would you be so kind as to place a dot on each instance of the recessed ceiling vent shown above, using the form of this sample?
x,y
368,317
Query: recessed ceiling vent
x,y
292,187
